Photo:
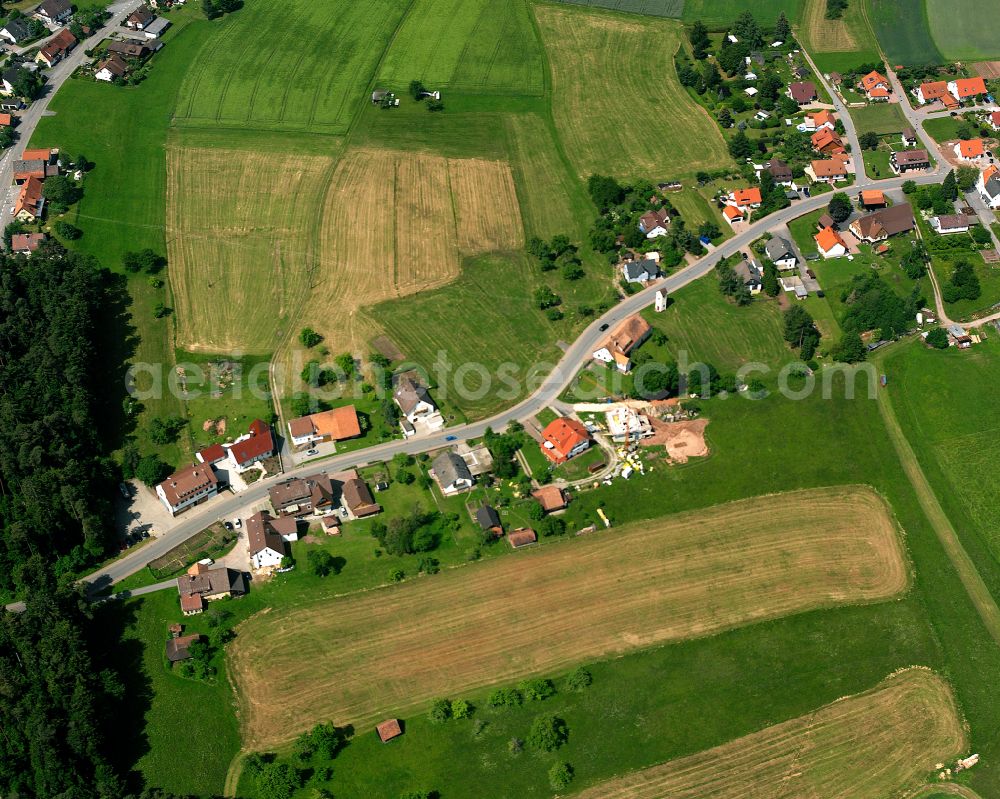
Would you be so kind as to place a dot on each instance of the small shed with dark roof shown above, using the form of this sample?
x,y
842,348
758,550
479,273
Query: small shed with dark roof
x,y
488,519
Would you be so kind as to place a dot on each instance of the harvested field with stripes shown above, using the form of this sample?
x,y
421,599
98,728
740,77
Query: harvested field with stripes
x,y
627,117
260,243
541,611
397,223
240,242
878,744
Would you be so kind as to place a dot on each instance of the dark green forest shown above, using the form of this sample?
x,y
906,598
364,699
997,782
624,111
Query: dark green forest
x,y
64,342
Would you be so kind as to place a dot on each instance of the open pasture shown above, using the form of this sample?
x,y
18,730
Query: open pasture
x,y
472,45
627,117
881,743
240,243
289,66
754,334
903,30
721,13
471,627
964,30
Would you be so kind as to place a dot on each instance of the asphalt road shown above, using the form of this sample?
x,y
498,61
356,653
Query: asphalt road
x,y
57,76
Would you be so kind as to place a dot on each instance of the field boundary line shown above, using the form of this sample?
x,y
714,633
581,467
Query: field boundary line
x,y
973,581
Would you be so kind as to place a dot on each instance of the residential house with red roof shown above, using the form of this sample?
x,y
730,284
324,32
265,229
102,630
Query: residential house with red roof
x,y
966,88
26,243
30,204
188,487
988,186
337,424
932,91
969,149
830,244
56,48
745,198
626,337
564,438
876,86
827,142
256,445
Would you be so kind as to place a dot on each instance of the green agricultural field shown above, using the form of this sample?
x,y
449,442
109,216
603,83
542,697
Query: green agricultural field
x,y
963,30
471,45
626,117
652,8
494,294
943,401
552,200
903,30
881,118
720,13
293,66
702,325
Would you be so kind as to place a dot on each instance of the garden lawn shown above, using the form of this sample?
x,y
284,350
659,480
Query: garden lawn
x,y
475,45
877,162
702,326
989,281
880,118
626,117
123,204
903,30
294,66
943,128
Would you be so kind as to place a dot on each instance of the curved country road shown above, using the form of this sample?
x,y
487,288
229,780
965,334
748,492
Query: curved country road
x,y
577,354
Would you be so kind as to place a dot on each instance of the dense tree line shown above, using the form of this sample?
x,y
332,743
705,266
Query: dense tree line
x,y
58,703
55,478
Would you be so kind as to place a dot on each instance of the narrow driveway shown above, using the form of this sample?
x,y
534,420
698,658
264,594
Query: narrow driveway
x,y
57,76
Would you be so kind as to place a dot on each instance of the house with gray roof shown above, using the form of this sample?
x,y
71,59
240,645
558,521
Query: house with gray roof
x,y
781,253
452,473
640,271
988,186
419,413
16,31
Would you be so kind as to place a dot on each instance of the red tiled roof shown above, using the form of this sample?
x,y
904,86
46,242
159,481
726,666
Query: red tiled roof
x,y
971,148
563,435
749,196
828,238
389,729
212,454
969,87
550,497
933,90
254,447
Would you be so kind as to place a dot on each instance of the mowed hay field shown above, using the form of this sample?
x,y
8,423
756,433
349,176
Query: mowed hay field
x,y
869,746
622,115
482,624
475,45
398,223
240,242
295,65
